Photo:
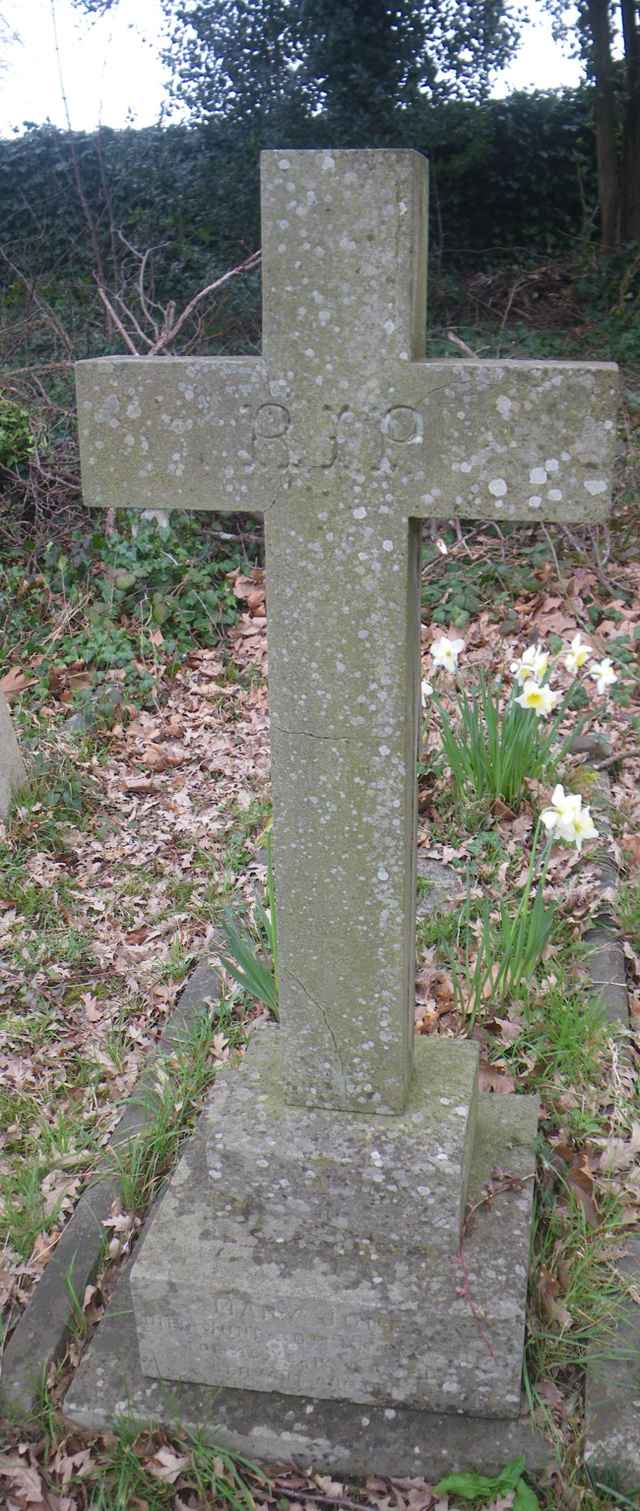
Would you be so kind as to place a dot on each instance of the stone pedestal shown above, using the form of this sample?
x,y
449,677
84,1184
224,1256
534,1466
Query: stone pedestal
x,y
317,1253
449,1320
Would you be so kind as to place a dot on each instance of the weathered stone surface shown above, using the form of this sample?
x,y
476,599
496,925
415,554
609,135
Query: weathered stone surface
x,y
612,1415
341,1435
12,768
443,887
343,437
314,1252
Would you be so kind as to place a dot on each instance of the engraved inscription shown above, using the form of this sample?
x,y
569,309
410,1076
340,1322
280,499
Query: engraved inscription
x,y
270,425
403,426
352,439
359,440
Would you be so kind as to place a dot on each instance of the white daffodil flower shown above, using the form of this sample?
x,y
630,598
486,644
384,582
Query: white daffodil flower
x,y
445,652
541,699
532,665
583,827
563,807
603,673
426,692
577,655
567,819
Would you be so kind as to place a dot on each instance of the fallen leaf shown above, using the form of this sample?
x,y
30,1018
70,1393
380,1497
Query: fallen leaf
x,y
631,848
167,1465
24,1478
492,1079
579,1178
14,682
548,1290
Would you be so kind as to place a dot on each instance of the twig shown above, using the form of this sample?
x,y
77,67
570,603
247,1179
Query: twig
x,y
595,566
170,335
319,1495
117,322
620,755
138,328
506,1182
457,341
554,555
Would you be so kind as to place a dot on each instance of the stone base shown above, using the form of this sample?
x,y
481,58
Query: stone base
x,y
482,1296
315,1252
334,1436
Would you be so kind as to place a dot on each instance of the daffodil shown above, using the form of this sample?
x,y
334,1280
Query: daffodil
x,y
532,665
445,652
577,655
426,691
603,673
541,698
567,819
563,807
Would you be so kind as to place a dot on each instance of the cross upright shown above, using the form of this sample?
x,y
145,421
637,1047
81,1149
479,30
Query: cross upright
x,y
345,438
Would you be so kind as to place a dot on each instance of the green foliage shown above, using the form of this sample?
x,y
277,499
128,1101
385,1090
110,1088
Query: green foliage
x,y
567,1031
170,1103
16,440
117,599
492,748
483,1488
453,590
245,960
126,1478
507,176
501,947
352,68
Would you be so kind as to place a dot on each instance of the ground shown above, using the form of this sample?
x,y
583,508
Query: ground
x,y
116,868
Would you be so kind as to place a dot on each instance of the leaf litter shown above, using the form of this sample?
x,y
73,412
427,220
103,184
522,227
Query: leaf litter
x,y
183,798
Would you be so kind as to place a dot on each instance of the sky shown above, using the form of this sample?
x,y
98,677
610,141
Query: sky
x,y
113,74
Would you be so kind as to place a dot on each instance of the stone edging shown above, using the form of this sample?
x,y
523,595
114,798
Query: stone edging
x,y
612,1404
41,1334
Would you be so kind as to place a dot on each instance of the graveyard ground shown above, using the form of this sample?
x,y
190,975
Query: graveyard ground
x,y
136,667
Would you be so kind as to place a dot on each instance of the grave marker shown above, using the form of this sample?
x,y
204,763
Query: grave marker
x,y
309,1241
345,438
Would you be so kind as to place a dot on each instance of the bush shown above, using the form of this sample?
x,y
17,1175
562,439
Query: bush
x,y
16,441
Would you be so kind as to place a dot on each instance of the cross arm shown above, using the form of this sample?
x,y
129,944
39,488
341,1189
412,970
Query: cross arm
x,y
504,440
179,432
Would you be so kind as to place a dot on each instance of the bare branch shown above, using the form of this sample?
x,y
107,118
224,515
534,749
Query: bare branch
x,y
117,322
170,335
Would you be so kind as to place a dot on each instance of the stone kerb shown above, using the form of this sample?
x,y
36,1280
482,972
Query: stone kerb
x,y
12,768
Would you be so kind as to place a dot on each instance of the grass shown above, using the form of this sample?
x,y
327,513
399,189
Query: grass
x,y
492,747
127,1477
252,958
170,1102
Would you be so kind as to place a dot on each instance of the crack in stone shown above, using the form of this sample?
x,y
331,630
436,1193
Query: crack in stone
x,y
308,734
322,1012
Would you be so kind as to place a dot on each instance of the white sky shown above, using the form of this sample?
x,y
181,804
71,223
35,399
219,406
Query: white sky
x,y
113,74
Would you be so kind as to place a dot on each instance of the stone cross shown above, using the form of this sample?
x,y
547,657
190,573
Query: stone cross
x,y
345,439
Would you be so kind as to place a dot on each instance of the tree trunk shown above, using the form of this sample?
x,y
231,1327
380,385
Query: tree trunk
x,y
606,125
631,124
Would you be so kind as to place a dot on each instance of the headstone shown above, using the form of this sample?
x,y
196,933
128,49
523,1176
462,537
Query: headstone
x,y
310,1241
12,769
